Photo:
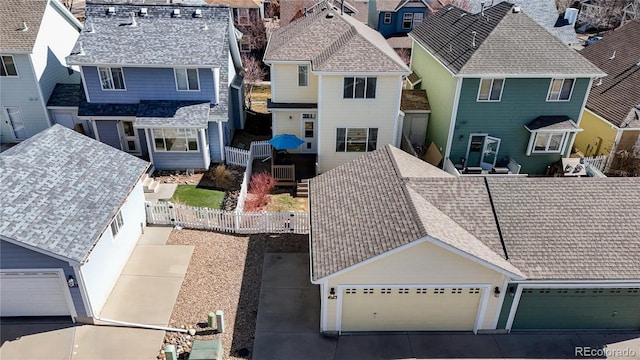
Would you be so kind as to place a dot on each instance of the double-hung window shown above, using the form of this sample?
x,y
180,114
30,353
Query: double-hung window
x,y
245,43
8,66
356,139
490,89
111,78
175,139
116,224
560,89
387,18
303,75
417,19
407,20
187,79
242,16
359,88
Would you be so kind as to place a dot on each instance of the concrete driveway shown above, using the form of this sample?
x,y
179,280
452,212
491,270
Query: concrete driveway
x,y
288,328
145,293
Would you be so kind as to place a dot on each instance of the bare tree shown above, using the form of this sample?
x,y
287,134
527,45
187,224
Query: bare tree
x,y
405,55
68,4
563,5
273,9
252,73
603,14
462,4
253,32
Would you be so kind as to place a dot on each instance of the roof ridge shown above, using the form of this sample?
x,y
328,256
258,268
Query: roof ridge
x,y
325,54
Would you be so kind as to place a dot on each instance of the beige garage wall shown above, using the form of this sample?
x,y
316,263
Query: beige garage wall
x,y
423,263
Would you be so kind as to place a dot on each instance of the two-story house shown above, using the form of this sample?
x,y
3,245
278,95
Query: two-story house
x,y
396,17
611,118
35,36
245,15
160,80
502,88
336,84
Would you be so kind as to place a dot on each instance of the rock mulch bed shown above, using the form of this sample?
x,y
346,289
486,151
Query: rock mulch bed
x,y
224,274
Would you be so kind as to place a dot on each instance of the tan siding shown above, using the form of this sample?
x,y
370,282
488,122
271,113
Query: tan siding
x,y
335,112
423,263
286,125
285,85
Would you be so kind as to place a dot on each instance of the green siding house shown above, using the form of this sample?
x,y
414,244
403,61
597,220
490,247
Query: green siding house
x,y
503,90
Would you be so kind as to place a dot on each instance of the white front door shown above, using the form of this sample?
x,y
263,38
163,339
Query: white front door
x,y
490,152
309,133
16,123
129,142
482,151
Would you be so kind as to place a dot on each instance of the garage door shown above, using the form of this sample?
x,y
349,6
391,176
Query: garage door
x,y
33,294
578,309
409,309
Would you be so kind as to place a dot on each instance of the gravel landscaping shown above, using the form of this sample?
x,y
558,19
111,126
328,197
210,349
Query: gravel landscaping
x,y
224,274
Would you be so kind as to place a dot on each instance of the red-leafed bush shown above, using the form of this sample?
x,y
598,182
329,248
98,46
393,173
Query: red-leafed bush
x,y
260,187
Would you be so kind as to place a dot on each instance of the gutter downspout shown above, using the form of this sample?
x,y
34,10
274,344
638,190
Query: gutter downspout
x,y
143,326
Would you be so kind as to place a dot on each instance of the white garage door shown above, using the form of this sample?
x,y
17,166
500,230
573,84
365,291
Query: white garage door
x,y
33,294
409,309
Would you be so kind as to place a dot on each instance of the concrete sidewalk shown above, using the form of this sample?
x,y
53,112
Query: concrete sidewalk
x,y
288,328
145,293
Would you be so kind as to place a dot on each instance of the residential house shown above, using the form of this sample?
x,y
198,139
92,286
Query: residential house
x,y
294,9
399,245
336,84
611,118
35,36
397,17
502,88
175,100
544,12
72,212
245,14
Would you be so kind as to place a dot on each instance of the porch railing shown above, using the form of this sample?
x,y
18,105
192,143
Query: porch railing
x,y
284,172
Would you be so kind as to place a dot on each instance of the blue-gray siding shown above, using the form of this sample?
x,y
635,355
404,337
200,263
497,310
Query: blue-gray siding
x,y
16,257
108,132
395,27
236,110
214,142
147,84
522,101
143,142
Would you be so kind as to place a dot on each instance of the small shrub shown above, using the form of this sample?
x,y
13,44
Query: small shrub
x,y
260,186
222,178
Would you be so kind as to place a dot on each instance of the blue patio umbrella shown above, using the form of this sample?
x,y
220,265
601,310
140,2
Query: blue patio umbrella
x,y
285,142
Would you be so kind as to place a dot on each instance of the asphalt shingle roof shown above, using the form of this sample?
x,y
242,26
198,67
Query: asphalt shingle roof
x,y
13,13
561,122
414,99
386,208
564,228
157,39
61,190
614,99
67,95
183,114
501,42
333,42
551,228
544,12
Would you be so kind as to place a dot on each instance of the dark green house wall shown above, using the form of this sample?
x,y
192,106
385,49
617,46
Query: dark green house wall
x,y
522,101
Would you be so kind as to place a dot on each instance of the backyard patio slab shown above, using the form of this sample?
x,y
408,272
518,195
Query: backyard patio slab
x,y
105,342
164,192
155,235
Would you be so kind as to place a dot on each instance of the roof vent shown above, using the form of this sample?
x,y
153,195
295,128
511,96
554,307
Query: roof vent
x,y
111,10
92,28
330,15
638,106
613,56
197,13
175,13
516,9
144,12
638,63
134,23
473,40
81,50
24,26
599,82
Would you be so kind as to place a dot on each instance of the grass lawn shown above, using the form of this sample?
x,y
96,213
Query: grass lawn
x,y
190,195
285,203
259,97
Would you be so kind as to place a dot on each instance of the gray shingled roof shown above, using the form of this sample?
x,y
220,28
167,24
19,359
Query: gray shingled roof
x,y
617,94
544,12
61,190
66,95
376,203
183,114
157,39
563,228
499,43
333,42
561,122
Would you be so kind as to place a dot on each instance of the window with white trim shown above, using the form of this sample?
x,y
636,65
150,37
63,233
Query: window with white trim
x,y
546,142
117,224
490,89
8,67
303,75
387,18
359,88
417,19
560,89
242,16
356,139
187,79
111,78
175,139
407,20
245,43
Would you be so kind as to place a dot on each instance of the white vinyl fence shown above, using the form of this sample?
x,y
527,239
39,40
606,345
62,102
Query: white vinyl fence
x,y
235,156
166,213
598,162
